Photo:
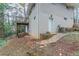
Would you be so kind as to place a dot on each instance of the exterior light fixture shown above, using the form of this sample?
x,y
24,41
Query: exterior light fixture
x,y
51,17
65,18
34,17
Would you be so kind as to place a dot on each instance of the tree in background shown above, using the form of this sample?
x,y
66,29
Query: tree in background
x,y
3,7
8,22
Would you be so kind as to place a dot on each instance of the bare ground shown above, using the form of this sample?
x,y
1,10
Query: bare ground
x,y
26,46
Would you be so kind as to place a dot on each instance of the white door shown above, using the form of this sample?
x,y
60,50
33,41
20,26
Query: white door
x,y
50,25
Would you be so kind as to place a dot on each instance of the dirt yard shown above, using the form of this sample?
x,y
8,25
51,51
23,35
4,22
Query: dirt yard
x,y
26,46
18,46
66,46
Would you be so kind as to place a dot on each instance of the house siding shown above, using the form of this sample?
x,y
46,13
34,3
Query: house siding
x,y
33,23
42,12
59,11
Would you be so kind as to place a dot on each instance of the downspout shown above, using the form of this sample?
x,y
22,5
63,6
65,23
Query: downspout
x,y
38,21
77,15
74,17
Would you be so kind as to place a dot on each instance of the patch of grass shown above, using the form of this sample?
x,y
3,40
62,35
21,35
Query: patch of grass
x,y
71,37
2,42
76,53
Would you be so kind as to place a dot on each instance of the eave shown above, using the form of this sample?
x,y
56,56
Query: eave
x,y
72,5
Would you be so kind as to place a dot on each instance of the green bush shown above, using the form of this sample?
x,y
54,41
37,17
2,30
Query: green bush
x,y
8,29
2,41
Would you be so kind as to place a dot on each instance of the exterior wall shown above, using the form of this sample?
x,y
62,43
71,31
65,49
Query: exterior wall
x,y
58,11
41,12
43,18
33,23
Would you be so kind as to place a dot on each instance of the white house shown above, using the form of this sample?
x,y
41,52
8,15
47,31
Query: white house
x,y
46,17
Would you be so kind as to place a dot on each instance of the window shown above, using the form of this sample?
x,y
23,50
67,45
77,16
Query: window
x,y
65,18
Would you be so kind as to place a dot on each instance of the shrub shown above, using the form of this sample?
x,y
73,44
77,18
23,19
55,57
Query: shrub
x,y
46,35
22,34
2,42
